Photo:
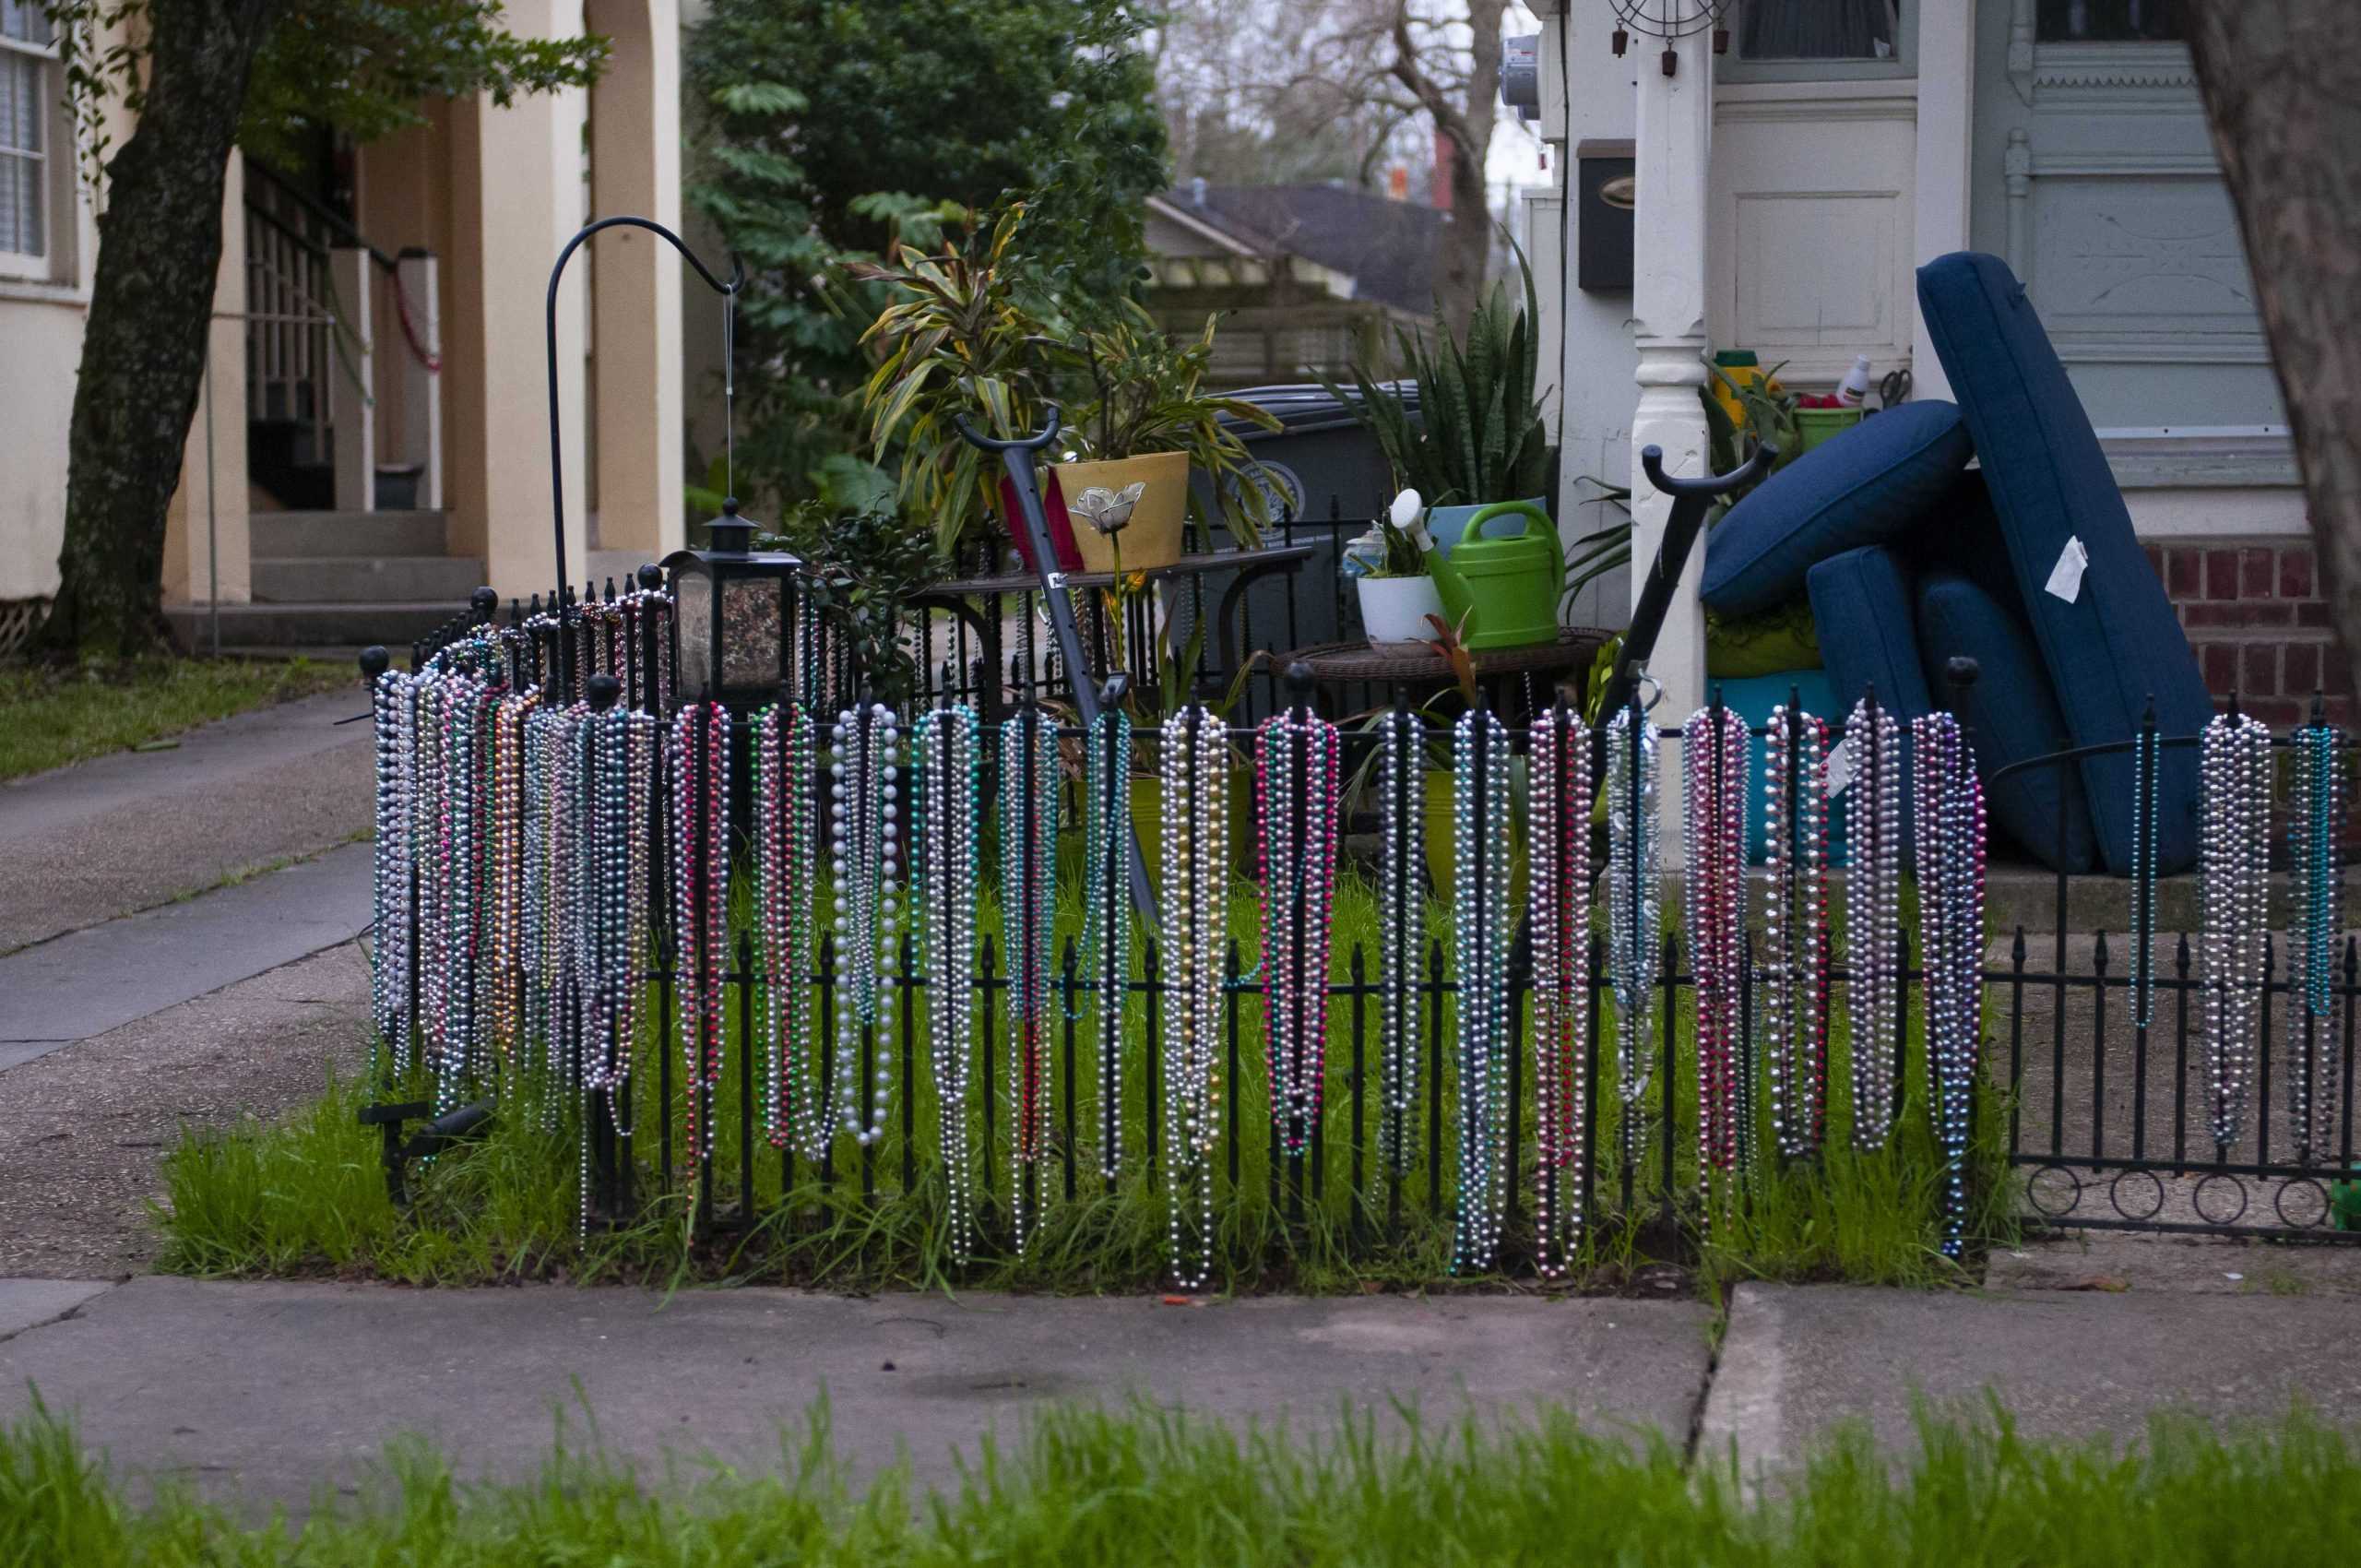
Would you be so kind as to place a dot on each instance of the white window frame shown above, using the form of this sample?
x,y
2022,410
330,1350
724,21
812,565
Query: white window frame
x,y
1902,63
43,265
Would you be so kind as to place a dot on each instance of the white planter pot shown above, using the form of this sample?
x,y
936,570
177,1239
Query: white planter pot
x,y
1394,610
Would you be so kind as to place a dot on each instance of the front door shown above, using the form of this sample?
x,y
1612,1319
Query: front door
x,y
2095,178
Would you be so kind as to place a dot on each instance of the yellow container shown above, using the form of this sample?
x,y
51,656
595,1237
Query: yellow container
x,y
1152,537
1740,366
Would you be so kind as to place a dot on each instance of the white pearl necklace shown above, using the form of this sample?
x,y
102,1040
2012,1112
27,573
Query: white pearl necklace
x,y
2233,867
1194,907
1634,910
1484,921
1401,935
1873,917
1796,1033
948,758
1714,769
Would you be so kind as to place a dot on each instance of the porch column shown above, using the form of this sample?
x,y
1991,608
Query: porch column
x,y
206,523
1674,136
516,199
1945,159
418,277
350,396
635,358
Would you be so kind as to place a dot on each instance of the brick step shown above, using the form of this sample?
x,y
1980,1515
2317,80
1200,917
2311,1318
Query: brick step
x,y
367,579
328,535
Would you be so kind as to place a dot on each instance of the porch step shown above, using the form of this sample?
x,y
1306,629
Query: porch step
x,y
395,624
317,535
367,579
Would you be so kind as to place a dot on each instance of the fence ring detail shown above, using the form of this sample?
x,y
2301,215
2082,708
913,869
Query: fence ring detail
x,y
2318,1216
2035,1189
2155,1184
2197,1199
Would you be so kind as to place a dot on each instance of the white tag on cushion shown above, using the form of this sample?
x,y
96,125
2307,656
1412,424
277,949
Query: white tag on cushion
x,y
1839,766
2066,578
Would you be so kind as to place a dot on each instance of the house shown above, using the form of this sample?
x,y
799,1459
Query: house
x,y
1788,190
375,397
1310,280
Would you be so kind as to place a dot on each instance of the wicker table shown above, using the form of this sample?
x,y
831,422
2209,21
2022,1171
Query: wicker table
x,y
1413,667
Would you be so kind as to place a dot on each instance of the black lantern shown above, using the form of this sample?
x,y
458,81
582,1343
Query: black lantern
x,y
733,617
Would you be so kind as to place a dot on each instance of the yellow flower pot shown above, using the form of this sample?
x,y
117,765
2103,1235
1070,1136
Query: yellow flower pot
x,y
1152,537
1442,849
1147,816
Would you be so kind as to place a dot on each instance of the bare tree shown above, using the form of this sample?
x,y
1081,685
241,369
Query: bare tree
x,y
2282,83
1378,77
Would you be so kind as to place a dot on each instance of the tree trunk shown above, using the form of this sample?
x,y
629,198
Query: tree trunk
x,y
151,307
1463,253
2282,83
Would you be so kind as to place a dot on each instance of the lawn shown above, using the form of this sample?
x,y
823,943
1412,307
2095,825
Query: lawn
x,y
50,718
306,1195
1149,1486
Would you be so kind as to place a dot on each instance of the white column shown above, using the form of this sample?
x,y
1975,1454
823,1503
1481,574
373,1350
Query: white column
x,y
351,378
1673,140
419,276
1946,143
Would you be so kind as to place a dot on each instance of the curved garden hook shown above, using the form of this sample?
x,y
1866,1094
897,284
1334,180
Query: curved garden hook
x,y
557,461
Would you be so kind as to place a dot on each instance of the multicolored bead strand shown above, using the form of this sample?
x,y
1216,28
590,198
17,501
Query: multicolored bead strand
x,y
701,906
393,955
1484,921
864,773
2317,906
947,801
1558,766
1713,792
1194,907
1106,917
1028,865
2234,869
1873,917
1949,829
1796,994
1401,932
2147,762
1634,910
1296,758
796,1113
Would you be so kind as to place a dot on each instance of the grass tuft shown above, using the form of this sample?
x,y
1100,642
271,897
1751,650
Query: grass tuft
x,y
1143,1484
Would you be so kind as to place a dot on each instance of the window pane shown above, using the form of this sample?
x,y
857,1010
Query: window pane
x,y
24,21
20,205
1818,30
20,103
2109,21
23,214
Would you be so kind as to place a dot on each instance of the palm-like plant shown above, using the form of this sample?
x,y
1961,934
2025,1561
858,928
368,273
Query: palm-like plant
x,y
1478,435
1148,396
959,338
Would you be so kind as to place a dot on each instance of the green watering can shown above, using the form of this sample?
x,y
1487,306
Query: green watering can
x,y
1503,592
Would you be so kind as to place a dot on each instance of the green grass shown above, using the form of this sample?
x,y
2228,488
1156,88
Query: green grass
x,y
1079,1488
305,1196
50,718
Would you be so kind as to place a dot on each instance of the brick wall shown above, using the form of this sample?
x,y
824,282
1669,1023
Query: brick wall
x,y
2254,616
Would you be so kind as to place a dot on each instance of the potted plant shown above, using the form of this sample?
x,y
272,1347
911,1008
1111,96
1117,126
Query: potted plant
x,y
1389,566
862,568
962,337
1146,423
1478,439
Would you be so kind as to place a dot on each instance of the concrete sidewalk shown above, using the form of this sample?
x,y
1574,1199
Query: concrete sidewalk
x,y
264,1392
128,832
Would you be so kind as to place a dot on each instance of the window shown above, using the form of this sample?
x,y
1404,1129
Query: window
x,y
2109,21
1819,30
29,90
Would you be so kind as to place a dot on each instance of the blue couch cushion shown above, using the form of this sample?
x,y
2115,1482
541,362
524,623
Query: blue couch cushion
x,y
2119,642
1861,602
2011,715
1867,486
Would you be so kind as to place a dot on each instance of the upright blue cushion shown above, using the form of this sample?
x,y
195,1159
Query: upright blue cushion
x,y
1866,486
2012,716
2119,642
1860,604
1753,700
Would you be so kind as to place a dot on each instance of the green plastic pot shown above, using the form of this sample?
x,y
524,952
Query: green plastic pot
x,y
1816,425
1442,849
